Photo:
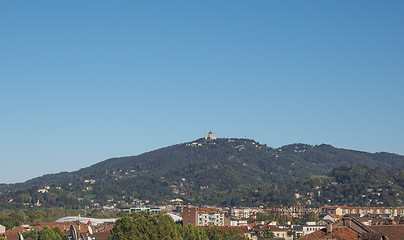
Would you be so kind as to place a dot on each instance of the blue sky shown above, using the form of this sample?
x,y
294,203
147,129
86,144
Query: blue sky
x,y
83,81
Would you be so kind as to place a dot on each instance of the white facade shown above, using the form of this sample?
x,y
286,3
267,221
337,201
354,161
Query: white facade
x,y
303,230
241,213
207,219
2,229
237,223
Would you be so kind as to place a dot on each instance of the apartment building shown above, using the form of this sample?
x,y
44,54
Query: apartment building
x,y
202,216
390,212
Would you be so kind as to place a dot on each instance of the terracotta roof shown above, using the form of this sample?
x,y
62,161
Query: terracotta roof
x,y
253,224
101,235
393,232
339,233
278,229
100,230
209,210
243,229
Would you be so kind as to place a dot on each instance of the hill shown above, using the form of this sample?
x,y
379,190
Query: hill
x,y
356,185
219,171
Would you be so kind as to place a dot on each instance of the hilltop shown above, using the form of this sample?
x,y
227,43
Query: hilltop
x,y
203,171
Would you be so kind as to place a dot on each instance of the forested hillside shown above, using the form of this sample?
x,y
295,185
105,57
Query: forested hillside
x,y
222,172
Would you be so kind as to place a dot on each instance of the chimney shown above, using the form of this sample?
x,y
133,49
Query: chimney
x,y
329,228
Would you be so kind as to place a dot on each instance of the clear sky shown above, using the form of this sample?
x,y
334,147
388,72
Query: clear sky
x,y
84,81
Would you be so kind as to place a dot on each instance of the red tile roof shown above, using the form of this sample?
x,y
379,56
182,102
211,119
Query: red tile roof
x,y
243,229
101,230
339,233
393,232
209,210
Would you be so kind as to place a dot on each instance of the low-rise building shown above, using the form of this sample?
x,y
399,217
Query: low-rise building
x,y
142,208
302,230
235,222
241,213
351,228
389,212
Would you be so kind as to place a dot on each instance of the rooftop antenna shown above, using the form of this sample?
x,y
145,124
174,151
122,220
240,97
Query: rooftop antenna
x,y
73,232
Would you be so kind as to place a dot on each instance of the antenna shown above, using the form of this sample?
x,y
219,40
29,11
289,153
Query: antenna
x,y
73,232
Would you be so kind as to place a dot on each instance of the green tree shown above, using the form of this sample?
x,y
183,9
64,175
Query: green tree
x,y
312,217
192,233
266,234
31,235
214,233
264,217
49,234
167,228
145,226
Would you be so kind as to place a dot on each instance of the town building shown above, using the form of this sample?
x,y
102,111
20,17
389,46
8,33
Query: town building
x,y
235,222
241,213
332,217
351,228
376,212
202,216
142,208
302,230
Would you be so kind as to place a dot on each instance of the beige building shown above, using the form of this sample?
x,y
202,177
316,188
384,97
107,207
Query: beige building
x,y
390,212
2,229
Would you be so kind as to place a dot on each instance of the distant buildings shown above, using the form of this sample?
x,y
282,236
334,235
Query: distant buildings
x,y
139,209
241,213
350,228
302,230
377,212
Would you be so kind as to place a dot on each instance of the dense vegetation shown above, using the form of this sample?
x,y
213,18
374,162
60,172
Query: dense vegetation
x,y
145,226
353,186
227,172
46,234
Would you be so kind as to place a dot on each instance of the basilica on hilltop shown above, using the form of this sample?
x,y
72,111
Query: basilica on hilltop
x,y
210,136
